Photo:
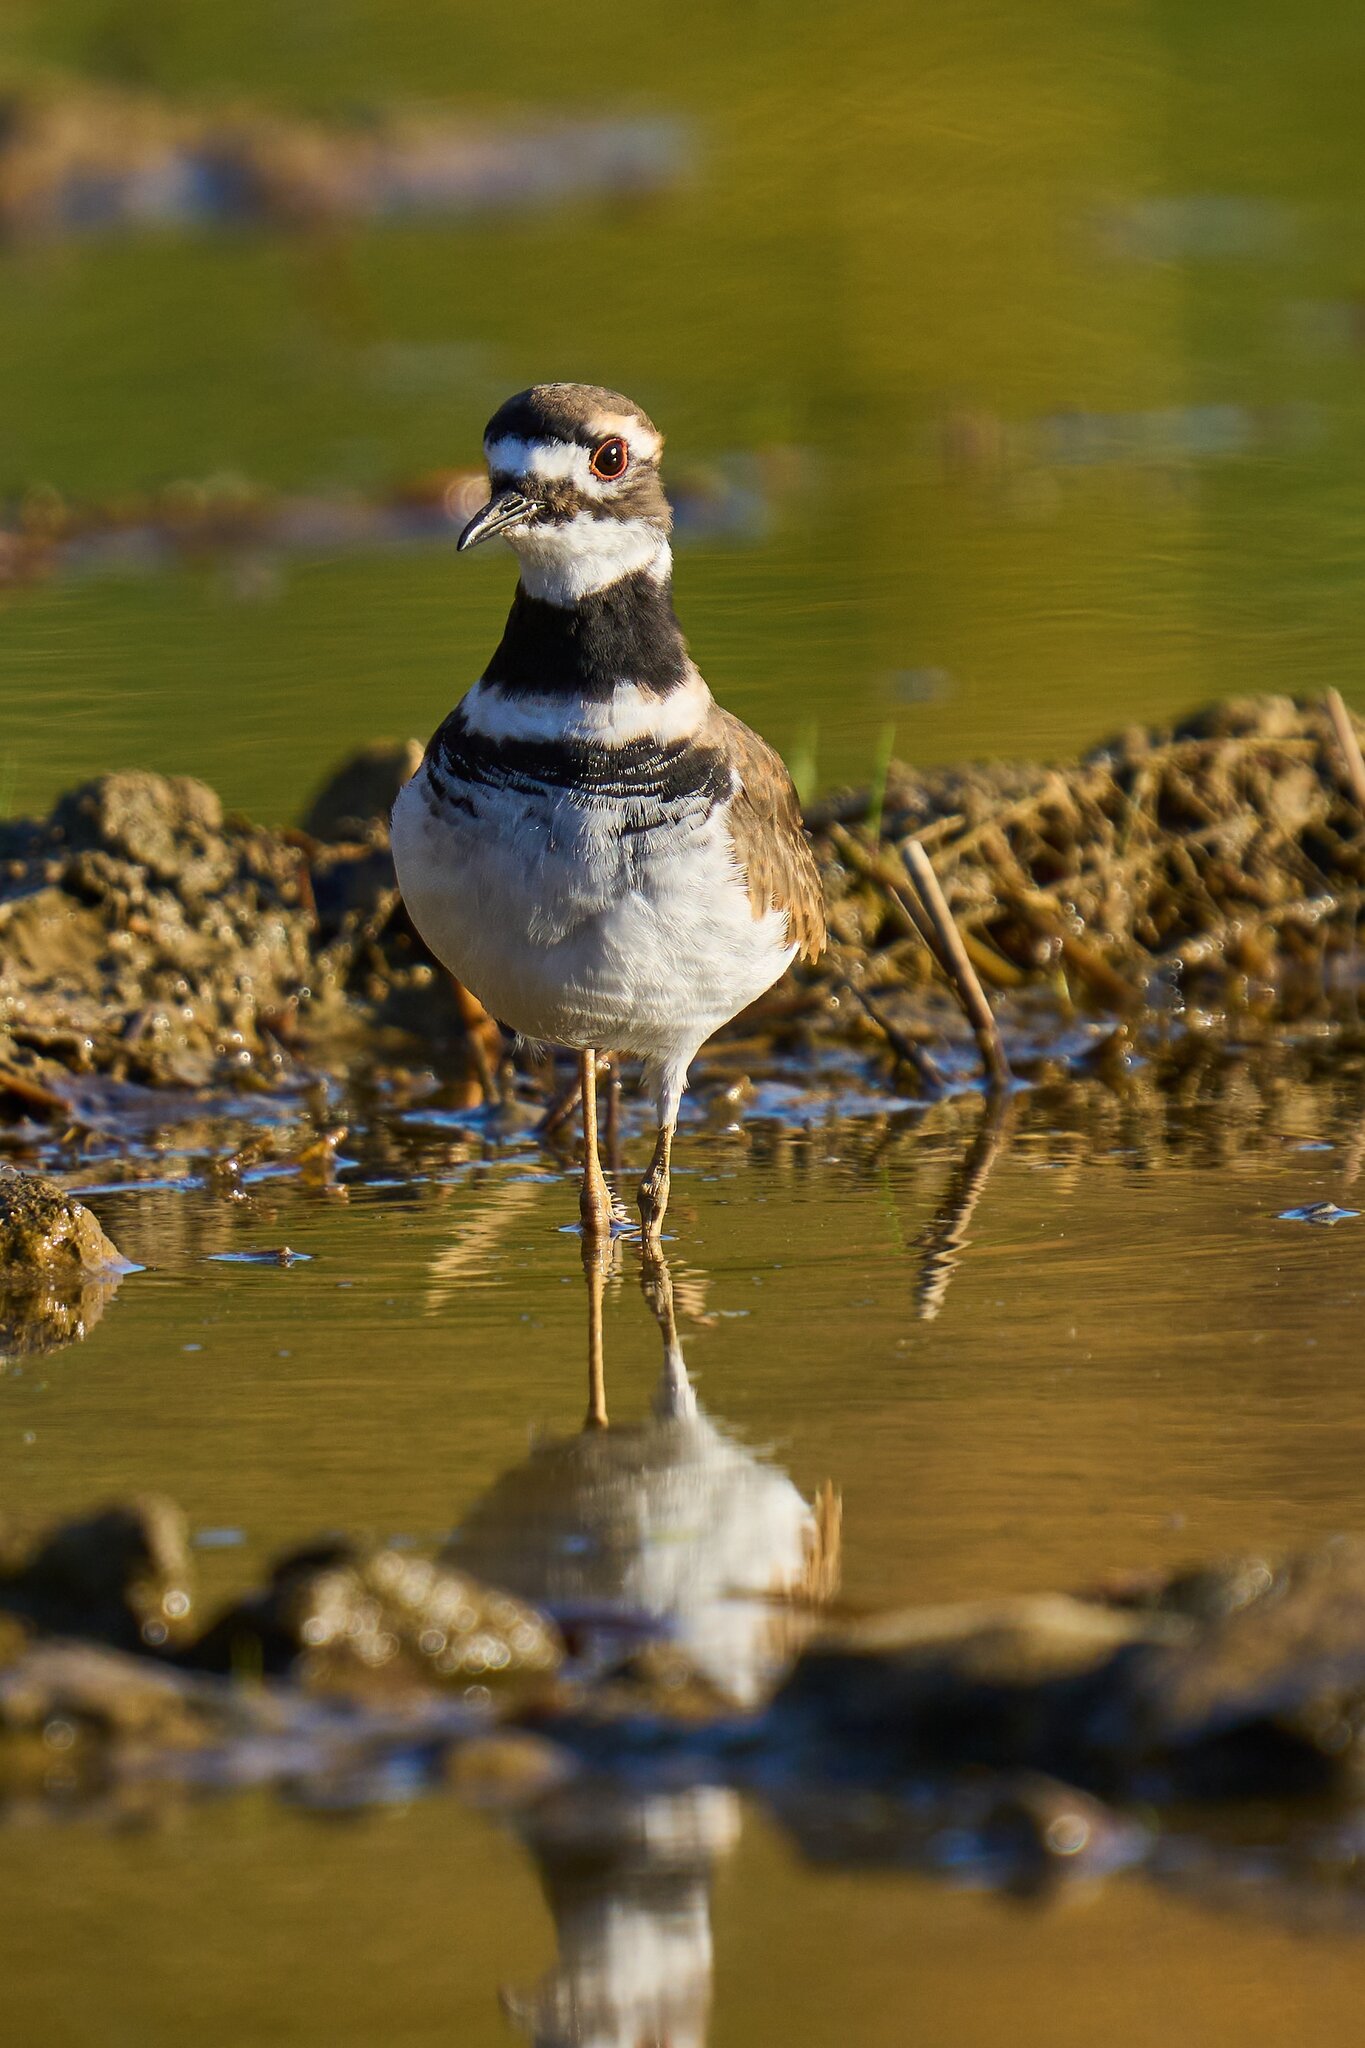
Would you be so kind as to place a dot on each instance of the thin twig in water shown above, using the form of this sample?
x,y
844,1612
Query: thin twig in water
x,y
900,1043
560,1110
1343,725
961,974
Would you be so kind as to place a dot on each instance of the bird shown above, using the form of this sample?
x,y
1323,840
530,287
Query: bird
x,y
592,845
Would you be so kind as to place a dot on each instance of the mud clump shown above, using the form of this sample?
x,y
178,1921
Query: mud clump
x,y
1221,857
338,1619
42,1229
57,1267
145,937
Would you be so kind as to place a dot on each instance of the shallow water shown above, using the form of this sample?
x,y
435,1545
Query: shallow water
x,y
1135,1352
1032,334
1130,1357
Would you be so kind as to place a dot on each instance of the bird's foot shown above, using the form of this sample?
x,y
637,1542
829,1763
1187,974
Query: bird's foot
x,y
597,1212
653,1202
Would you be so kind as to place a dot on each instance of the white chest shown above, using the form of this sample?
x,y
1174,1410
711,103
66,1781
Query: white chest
x,y
581,925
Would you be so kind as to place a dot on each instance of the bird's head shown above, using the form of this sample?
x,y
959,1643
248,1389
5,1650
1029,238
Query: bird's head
x,y
574,474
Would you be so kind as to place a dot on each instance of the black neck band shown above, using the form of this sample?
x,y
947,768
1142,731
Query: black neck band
x,y
626,633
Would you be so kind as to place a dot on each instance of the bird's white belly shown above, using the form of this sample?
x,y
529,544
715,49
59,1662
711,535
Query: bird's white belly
x,y
569,928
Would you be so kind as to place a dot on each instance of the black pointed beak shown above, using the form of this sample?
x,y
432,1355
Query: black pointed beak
x,y
503,510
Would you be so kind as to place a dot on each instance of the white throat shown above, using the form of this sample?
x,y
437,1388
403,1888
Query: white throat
x,y
561,564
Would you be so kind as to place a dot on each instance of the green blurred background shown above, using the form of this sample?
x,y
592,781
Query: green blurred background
x,y
1038,331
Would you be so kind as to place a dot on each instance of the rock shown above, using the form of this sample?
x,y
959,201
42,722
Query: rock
x,y
1008,1684
58,1270
43,1229
340,1619
1278,1666
74,1716
121,1576
359,794
1240,1680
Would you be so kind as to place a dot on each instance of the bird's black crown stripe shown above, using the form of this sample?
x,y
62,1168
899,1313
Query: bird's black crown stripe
x,y
625,633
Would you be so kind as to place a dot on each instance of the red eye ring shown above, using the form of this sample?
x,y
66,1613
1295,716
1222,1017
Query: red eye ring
x,y
609,459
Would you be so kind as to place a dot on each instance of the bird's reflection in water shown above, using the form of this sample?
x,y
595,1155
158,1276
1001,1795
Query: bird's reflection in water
x,y
665,1528
627,1877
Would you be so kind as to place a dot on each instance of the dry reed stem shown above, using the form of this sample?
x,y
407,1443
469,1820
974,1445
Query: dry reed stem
x,y
1343,725
961,974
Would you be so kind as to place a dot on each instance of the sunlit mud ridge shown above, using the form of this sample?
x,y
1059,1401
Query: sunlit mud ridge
x,y
1204,879
79,160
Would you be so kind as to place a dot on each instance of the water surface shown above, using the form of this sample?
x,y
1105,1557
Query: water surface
x,y
1032,335
1131,1359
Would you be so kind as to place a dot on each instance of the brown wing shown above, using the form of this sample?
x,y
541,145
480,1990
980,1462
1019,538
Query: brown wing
x,y
770,844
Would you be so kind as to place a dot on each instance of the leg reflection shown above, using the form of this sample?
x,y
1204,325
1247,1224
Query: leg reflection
x,y
596,1258
945,1238
674,1399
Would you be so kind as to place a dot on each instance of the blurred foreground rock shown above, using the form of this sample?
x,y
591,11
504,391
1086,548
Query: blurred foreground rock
x,y
1246,1680
340,1619
1021,1742
121,1576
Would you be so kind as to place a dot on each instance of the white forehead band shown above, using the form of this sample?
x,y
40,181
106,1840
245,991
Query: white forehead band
x,y
560,461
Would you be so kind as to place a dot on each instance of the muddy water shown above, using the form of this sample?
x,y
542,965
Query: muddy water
x,y
1126,1356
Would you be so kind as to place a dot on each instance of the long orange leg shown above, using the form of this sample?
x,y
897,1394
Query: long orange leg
x,y
594,1203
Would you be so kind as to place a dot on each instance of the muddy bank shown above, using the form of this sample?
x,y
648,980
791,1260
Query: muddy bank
x,y
1195,879
251,532
77,160
1140,1722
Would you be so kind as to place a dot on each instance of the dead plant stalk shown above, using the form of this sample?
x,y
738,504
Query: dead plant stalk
x,y
952,957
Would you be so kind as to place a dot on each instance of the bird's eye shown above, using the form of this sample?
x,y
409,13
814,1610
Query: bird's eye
x,y
609,458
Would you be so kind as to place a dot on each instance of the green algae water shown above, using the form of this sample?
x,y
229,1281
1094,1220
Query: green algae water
x,y
1029,337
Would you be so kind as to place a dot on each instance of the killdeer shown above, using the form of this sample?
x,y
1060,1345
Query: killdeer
x,y
604,856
